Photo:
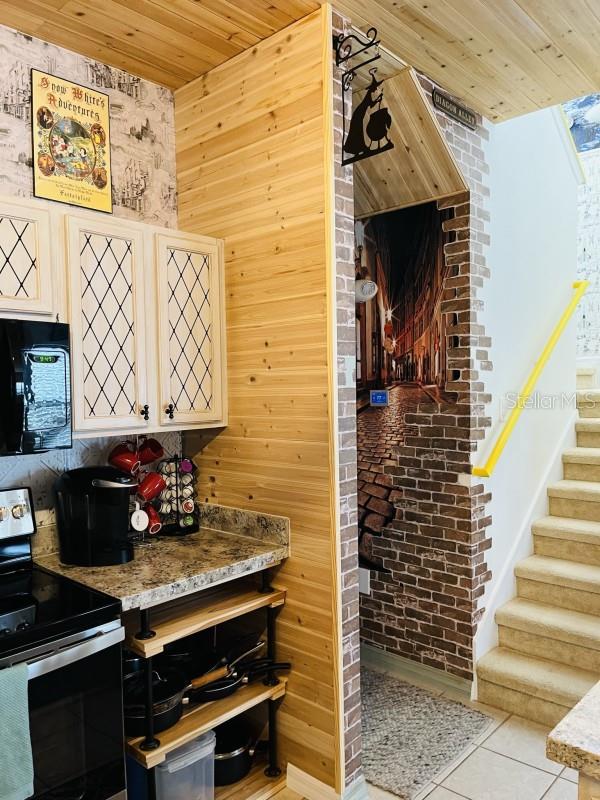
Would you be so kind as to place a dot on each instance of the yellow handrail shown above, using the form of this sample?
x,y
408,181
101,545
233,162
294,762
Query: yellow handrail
x,y
525,394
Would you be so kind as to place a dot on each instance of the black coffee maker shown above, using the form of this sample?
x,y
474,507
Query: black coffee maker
x,y
92,508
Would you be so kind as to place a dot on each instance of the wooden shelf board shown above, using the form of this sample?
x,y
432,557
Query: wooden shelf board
x,y
191,615
255,786
204,718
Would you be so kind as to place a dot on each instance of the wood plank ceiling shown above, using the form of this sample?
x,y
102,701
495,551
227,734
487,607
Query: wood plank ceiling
x,y
505,57
420,167
167,41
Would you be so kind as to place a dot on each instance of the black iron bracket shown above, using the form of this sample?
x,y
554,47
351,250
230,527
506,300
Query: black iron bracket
x,y
355,147
145,631
150,741
273,770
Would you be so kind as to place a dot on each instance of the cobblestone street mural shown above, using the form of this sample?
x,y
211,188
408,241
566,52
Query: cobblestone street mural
x,y
401,345
380,431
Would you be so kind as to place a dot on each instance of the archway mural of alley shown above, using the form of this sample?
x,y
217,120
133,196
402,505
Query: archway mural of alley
x,y
401,343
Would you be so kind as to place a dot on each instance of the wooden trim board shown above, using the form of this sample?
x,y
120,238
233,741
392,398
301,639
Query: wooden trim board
x,y
197,613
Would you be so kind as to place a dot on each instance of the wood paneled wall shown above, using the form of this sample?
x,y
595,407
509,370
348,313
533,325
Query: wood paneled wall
x,y
253,168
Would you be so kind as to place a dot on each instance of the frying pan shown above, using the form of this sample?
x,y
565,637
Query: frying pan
x,y
224,687
225,669
170,686
192,657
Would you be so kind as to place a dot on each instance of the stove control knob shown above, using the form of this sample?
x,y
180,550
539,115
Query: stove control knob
x,y
4,512
5,632
23,626
19,511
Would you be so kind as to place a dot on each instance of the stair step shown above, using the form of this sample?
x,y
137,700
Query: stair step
x,y
588,432
575,498
586,377
588,402
582,464
555,581
567,538
545,631
531,687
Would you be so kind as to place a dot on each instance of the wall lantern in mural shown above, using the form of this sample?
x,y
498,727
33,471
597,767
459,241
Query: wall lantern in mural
x,y
368,131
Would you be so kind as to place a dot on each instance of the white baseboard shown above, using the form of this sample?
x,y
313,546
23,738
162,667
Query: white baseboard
x,y
313,789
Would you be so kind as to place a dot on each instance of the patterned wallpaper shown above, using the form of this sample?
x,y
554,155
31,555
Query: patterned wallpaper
x,y
588,258
141,122
144,189
41,471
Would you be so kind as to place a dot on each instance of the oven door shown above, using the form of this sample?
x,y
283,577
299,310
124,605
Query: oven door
x,y
76,716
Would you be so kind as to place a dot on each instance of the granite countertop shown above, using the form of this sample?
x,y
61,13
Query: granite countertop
x,y
234,544
575,741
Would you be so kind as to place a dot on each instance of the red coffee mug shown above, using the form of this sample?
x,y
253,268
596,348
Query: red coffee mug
x,y
124,459
122,447
150,450
154,523
151,486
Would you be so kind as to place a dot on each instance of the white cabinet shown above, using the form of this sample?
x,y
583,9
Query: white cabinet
x,y
147,315
25,258
190,333
106,279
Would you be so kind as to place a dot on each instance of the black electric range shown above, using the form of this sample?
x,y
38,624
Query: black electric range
x,y
69,638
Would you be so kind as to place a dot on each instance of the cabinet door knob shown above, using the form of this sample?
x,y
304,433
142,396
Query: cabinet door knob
x,y
170,411
145,412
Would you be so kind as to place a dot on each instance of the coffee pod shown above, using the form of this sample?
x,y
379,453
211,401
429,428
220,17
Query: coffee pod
x,y
186,522
173,505
187,491
170,467
165,508
186,507
186,466
186,479
171,481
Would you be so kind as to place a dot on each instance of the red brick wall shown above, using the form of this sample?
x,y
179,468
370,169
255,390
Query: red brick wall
x,y
428,605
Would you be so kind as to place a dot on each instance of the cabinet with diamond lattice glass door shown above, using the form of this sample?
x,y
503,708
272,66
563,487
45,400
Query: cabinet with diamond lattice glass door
x,y
191,329
108,326
25,258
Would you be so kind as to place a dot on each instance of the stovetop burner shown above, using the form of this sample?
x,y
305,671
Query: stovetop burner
x,y
17,614
36,606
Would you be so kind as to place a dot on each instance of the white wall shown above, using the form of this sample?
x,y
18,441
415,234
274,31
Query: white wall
x,y
534,182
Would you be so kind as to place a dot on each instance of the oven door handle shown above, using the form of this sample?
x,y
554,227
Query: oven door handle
x,y
75,653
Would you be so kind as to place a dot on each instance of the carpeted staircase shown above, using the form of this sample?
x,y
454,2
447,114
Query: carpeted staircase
x,y
549,635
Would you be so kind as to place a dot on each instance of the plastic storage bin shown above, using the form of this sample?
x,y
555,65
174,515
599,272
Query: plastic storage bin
x,y
188,773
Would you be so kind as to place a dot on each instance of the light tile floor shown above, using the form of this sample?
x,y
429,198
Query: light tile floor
x,y
506,762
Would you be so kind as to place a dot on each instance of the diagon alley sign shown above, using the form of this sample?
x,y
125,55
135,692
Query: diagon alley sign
x,y
454,110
